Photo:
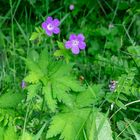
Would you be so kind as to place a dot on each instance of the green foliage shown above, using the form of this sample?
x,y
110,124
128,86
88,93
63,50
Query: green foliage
x,y
26,136
129,128
38,135
69,124
137,135
32,91
90,97
48,97
8,133
67,96
134,53
37,36
55,77
125,82
6,116
73,123
125,88
98,126
10,99
8,104
62,52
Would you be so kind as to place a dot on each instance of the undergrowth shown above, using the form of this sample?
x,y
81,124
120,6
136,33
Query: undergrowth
x,y
69,70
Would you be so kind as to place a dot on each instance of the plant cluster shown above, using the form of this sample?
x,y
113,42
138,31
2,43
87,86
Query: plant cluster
x,y
84,88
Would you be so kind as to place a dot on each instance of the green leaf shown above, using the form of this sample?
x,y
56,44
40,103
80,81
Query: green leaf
x,y
59,53
98,126
35,73
47,90
86,98
134,52
121,125
7,115
62,52
56,78
32,91
62,70
102,31
10,134
38,135
105,130
32,65
90,128
61,93
33,77
26,136
70,82
1,133
60,45
123,5
68,124
33,55
63,82
44,60
137,136
125,84
120,104
114,44
122,97
34,36
10,99
90,96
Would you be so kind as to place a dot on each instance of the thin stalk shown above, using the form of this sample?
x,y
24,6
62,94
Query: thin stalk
x,y
108,5
131,40
115,12
27,112
136,101
13,40
127,126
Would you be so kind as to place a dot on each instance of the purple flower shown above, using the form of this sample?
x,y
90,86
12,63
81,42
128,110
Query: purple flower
x,y
112,85
51,26
76,43
71,7
23,84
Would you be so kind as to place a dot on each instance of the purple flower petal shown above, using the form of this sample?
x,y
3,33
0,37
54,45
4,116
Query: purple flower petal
x,y
23,84
81,37
44,25
75,50
73,37
82,45
49,19
71,7
68,44
56,30
49,33
50,26
76,43
56,22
